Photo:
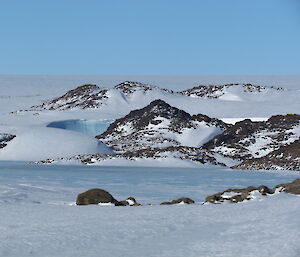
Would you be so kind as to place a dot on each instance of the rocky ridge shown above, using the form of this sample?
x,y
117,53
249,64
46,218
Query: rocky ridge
x,y
92,96
216,91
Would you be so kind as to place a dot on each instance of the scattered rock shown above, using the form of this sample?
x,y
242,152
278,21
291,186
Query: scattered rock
x,y
96,196
242,194
179,201
130,201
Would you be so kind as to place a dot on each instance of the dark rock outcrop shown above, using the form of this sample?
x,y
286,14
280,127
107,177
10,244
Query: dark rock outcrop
x,y
179,200
96,196
130,201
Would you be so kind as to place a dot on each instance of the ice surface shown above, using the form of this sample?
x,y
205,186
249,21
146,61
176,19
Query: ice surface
x,y
88,127
39,218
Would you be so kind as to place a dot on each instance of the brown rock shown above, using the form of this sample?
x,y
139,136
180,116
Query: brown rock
x,y
179,200
130,201
95,196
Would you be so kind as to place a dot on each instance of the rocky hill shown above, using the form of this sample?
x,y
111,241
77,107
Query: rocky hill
x,y
217,91
287,157
160,125
82,97
248,139
91,96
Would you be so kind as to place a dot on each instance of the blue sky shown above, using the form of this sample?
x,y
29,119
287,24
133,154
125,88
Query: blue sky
x,y
153,37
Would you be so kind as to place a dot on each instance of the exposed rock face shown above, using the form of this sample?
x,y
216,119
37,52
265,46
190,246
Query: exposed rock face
x,y
158,125
216,91
287,157
248,139
96,196
182,200
130,201
248,193
5,138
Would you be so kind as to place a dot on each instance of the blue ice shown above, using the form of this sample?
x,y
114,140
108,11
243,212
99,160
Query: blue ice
x,y
88,127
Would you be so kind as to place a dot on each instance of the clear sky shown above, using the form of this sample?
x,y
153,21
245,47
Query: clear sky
x,y
145,37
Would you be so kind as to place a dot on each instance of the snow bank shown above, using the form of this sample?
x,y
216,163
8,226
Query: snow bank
x,y
34,143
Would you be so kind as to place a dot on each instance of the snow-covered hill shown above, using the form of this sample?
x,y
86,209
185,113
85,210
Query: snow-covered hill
x,y
248,139
233,92
287,157
35,143
160,125
91,96
88,107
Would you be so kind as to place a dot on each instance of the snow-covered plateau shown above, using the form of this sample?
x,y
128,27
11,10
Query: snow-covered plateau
x,y
156,139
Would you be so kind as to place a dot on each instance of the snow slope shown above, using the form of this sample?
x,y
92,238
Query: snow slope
x,y
34,143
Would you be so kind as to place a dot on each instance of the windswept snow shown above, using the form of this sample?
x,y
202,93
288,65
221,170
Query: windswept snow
x,y
33,143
